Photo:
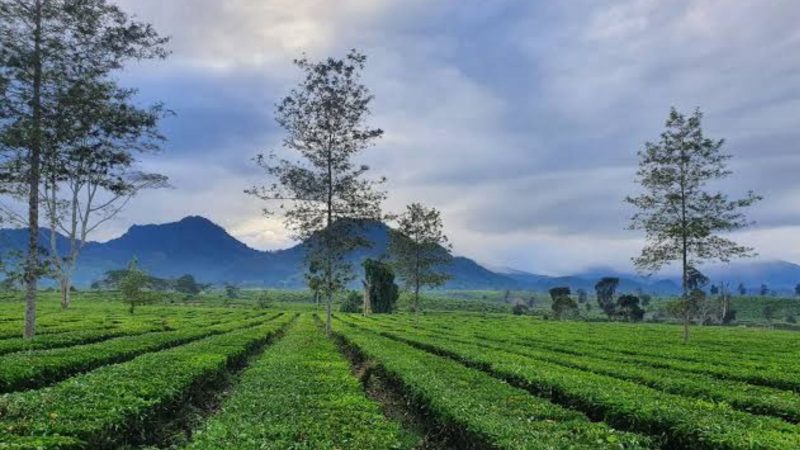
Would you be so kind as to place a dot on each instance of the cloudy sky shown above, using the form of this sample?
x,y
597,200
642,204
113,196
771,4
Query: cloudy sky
x,y
520,120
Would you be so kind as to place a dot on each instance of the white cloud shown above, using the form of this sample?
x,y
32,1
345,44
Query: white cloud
x,y
519,120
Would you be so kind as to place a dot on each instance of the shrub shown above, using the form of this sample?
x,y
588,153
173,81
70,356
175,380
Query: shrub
x,y
519,309
263,300
628,307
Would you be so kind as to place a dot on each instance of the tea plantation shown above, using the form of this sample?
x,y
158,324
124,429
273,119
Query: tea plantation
x,y
246,377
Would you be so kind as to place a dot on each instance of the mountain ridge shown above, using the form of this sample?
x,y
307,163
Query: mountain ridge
x,y
203,248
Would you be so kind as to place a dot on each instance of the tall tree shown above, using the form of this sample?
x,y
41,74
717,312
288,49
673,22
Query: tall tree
x,y
325,197
797,290
605,289
48,48
419,249
31,38
682,217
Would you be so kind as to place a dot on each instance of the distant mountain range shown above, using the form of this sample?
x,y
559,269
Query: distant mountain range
x,y
202,248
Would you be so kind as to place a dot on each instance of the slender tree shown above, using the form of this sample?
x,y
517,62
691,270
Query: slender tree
x,y
325,197
93,176
682,217
419,249
34,35
47,49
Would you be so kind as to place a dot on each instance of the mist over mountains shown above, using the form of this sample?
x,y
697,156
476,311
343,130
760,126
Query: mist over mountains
x,y
197,246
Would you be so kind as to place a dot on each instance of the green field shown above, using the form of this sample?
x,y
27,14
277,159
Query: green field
x,y
199,375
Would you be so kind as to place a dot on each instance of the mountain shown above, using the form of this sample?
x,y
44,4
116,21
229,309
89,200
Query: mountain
x,y
202,248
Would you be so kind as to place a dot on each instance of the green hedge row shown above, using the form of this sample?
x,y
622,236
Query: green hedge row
x,y
743,396
30,370
682,422
105,407
301,395
480,406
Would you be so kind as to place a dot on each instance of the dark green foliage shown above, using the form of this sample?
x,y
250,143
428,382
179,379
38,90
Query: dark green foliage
x,y
741,289
763,290
353,302
563,305
583,296
605,289
797,290
382,290
520,309
187,285
628,307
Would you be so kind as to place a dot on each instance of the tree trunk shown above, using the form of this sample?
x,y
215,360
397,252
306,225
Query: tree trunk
x,y
32,264
328,324
66,285
367,302
416,299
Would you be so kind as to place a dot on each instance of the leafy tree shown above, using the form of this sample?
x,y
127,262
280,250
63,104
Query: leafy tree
x,y
714,290
56,96
797,290
33,36
133,286
232,292
604,290
325,197
770,312
419,249
628,307
382,291
583,296
682,218
519,309
352,303
91,175
563,305
763,290
188,286
264,300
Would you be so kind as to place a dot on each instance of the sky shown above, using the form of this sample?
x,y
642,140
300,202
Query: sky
x,y
519,120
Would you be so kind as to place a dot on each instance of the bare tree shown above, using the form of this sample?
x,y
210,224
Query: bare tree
x,y
325,197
